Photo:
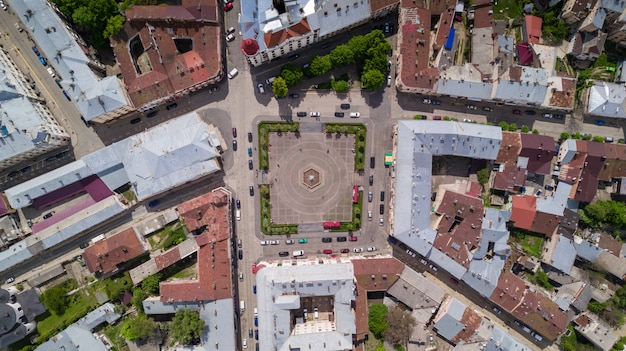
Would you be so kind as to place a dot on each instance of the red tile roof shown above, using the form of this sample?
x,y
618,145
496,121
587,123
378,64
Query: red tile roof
x,y
540,150
471,319
482,18
459,227
443,27
214,268
565,96
385,272
167,259
169,71
612,246
413,61
545,223
209,212
533,29
378,5
276,38
106,255
523,211
509,291
542,315
509,148
510,179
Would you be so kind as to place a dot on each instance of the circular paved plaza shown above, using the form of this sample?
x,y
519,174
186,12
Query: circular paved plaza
x,y
311,177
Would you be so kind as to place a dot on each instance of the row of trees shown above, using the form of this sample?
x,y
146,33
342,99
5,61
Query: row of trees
x,y
368,51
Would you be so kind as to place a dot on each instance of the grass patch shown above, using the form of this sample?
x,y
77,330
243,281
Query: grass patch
x,y
167,237
531,244
50,324
275,127
504,9
113,333
360,133
113,286
267,226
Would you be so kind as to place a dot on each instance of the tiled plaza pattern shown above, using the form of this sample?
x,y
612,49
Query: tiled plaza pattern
x,y
329,154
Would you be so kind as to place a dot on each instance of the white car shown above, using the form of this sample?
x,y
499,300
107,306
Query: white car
x,y
427,101
244,343
230,30
357,249
468,120
261,88
471,107
389,81
315,114
371,248
233,73
264,242
9,280
289,242
274,242
380,222
547,115
4,7
355,115
230,37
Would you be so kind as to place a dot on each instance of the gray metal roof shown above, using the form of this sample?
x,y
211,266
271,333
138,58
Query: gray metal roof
x,y
469,89
449,323
218,317
23,194
275,320
607,100
586,250
73,338
446,263
93,96
416,291
105,313
531,88
501,340
15,254
563,255
558,201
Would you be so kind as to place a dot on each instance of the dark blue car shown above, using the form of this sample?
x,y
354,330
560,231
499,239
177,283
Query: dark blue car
x,y
256,321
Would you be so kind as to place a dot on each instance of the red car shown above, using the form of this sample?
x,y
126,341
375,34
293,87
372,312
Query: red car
x,y
254,268
228,7
352,238
234,132
328,251
517,112
345,250
437,118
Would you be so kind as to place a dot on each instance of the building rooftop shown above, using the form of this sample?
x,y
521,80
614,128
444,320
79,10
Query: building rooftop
x,y
284,292
539,150
533,29
415,290
105,256
592,329
607,100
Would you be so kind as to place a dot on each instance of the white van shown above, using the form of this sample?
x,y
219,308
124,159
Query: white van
x,y
238,215
298,253
51,72
242,305
270,80
232,74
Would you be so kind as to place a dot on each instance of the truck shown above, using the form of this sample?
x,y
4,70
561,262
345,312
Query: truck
x,y
388,158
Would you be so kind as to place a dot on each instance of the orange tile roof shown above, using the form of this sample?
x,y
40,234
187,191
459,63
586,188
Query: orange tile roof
x,y
209,212
523,211
471,319
509,148
106,255
443,27
415,71
482,18
279,37
214,268
170,72
509,292
167,259
533,28
377,5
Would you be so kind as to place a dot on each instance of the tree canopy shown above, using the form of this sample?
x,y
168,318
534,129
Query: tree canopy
x,y
483,175
92,16
55,299
279,87
373,79
291,74
603,213
320,65
378,319
138,328
341,55
151,283
187,326
340,86
400,323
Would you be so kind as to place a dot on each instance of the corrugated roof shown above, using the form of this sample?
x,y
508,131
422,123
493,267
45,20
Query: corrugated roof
x,y
607,100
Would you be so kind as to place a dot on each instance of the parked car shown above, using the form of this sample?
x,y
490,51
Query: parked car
x,y
530,112
437,118
238,203
369,196
315,114
289,241
371,248
547,115
251,189
371,180
234,145
372,162
261,88
357,249
283,254
487,108
301,114
517,112
230,37
549,187
84,245
345,106
249,137
233,73
436,102
274,242
382,196
327,240
249,152
339,114
559,116
381,209
227,8
35,50
327,251
355,114
250,165
342,239
240,254
270,80
471,107
427,101
9,280
135,121
230,30
344,250
152,114
294,96
303,241
352,238
234,132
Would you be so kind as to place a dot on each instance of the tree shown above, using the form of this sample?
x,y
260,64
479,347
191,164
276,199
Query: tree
x,y
138,328
358,45
512,127
378,319
341,55
601,213
291,74
373,79
564,136
151,283
340,86
114,25
137,300
55,299
483,175
525,129
378,63
595,306
542,279
187,326
598,139
320,65
504,125
400,324
535,131
279,87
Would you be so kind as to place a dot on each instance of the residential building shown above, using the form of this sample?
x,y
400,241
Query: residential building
x,y
80,335
107,256
272,29
587,46
592,329
19,310
575,11
531,29
454,321
537,153
98,99
166,52
606,100
27,127
542,214
306,305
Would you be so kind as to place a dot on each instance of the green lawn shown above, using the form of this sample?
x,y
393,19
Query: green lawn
x,y
508,9
81,303
531,244
113,286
